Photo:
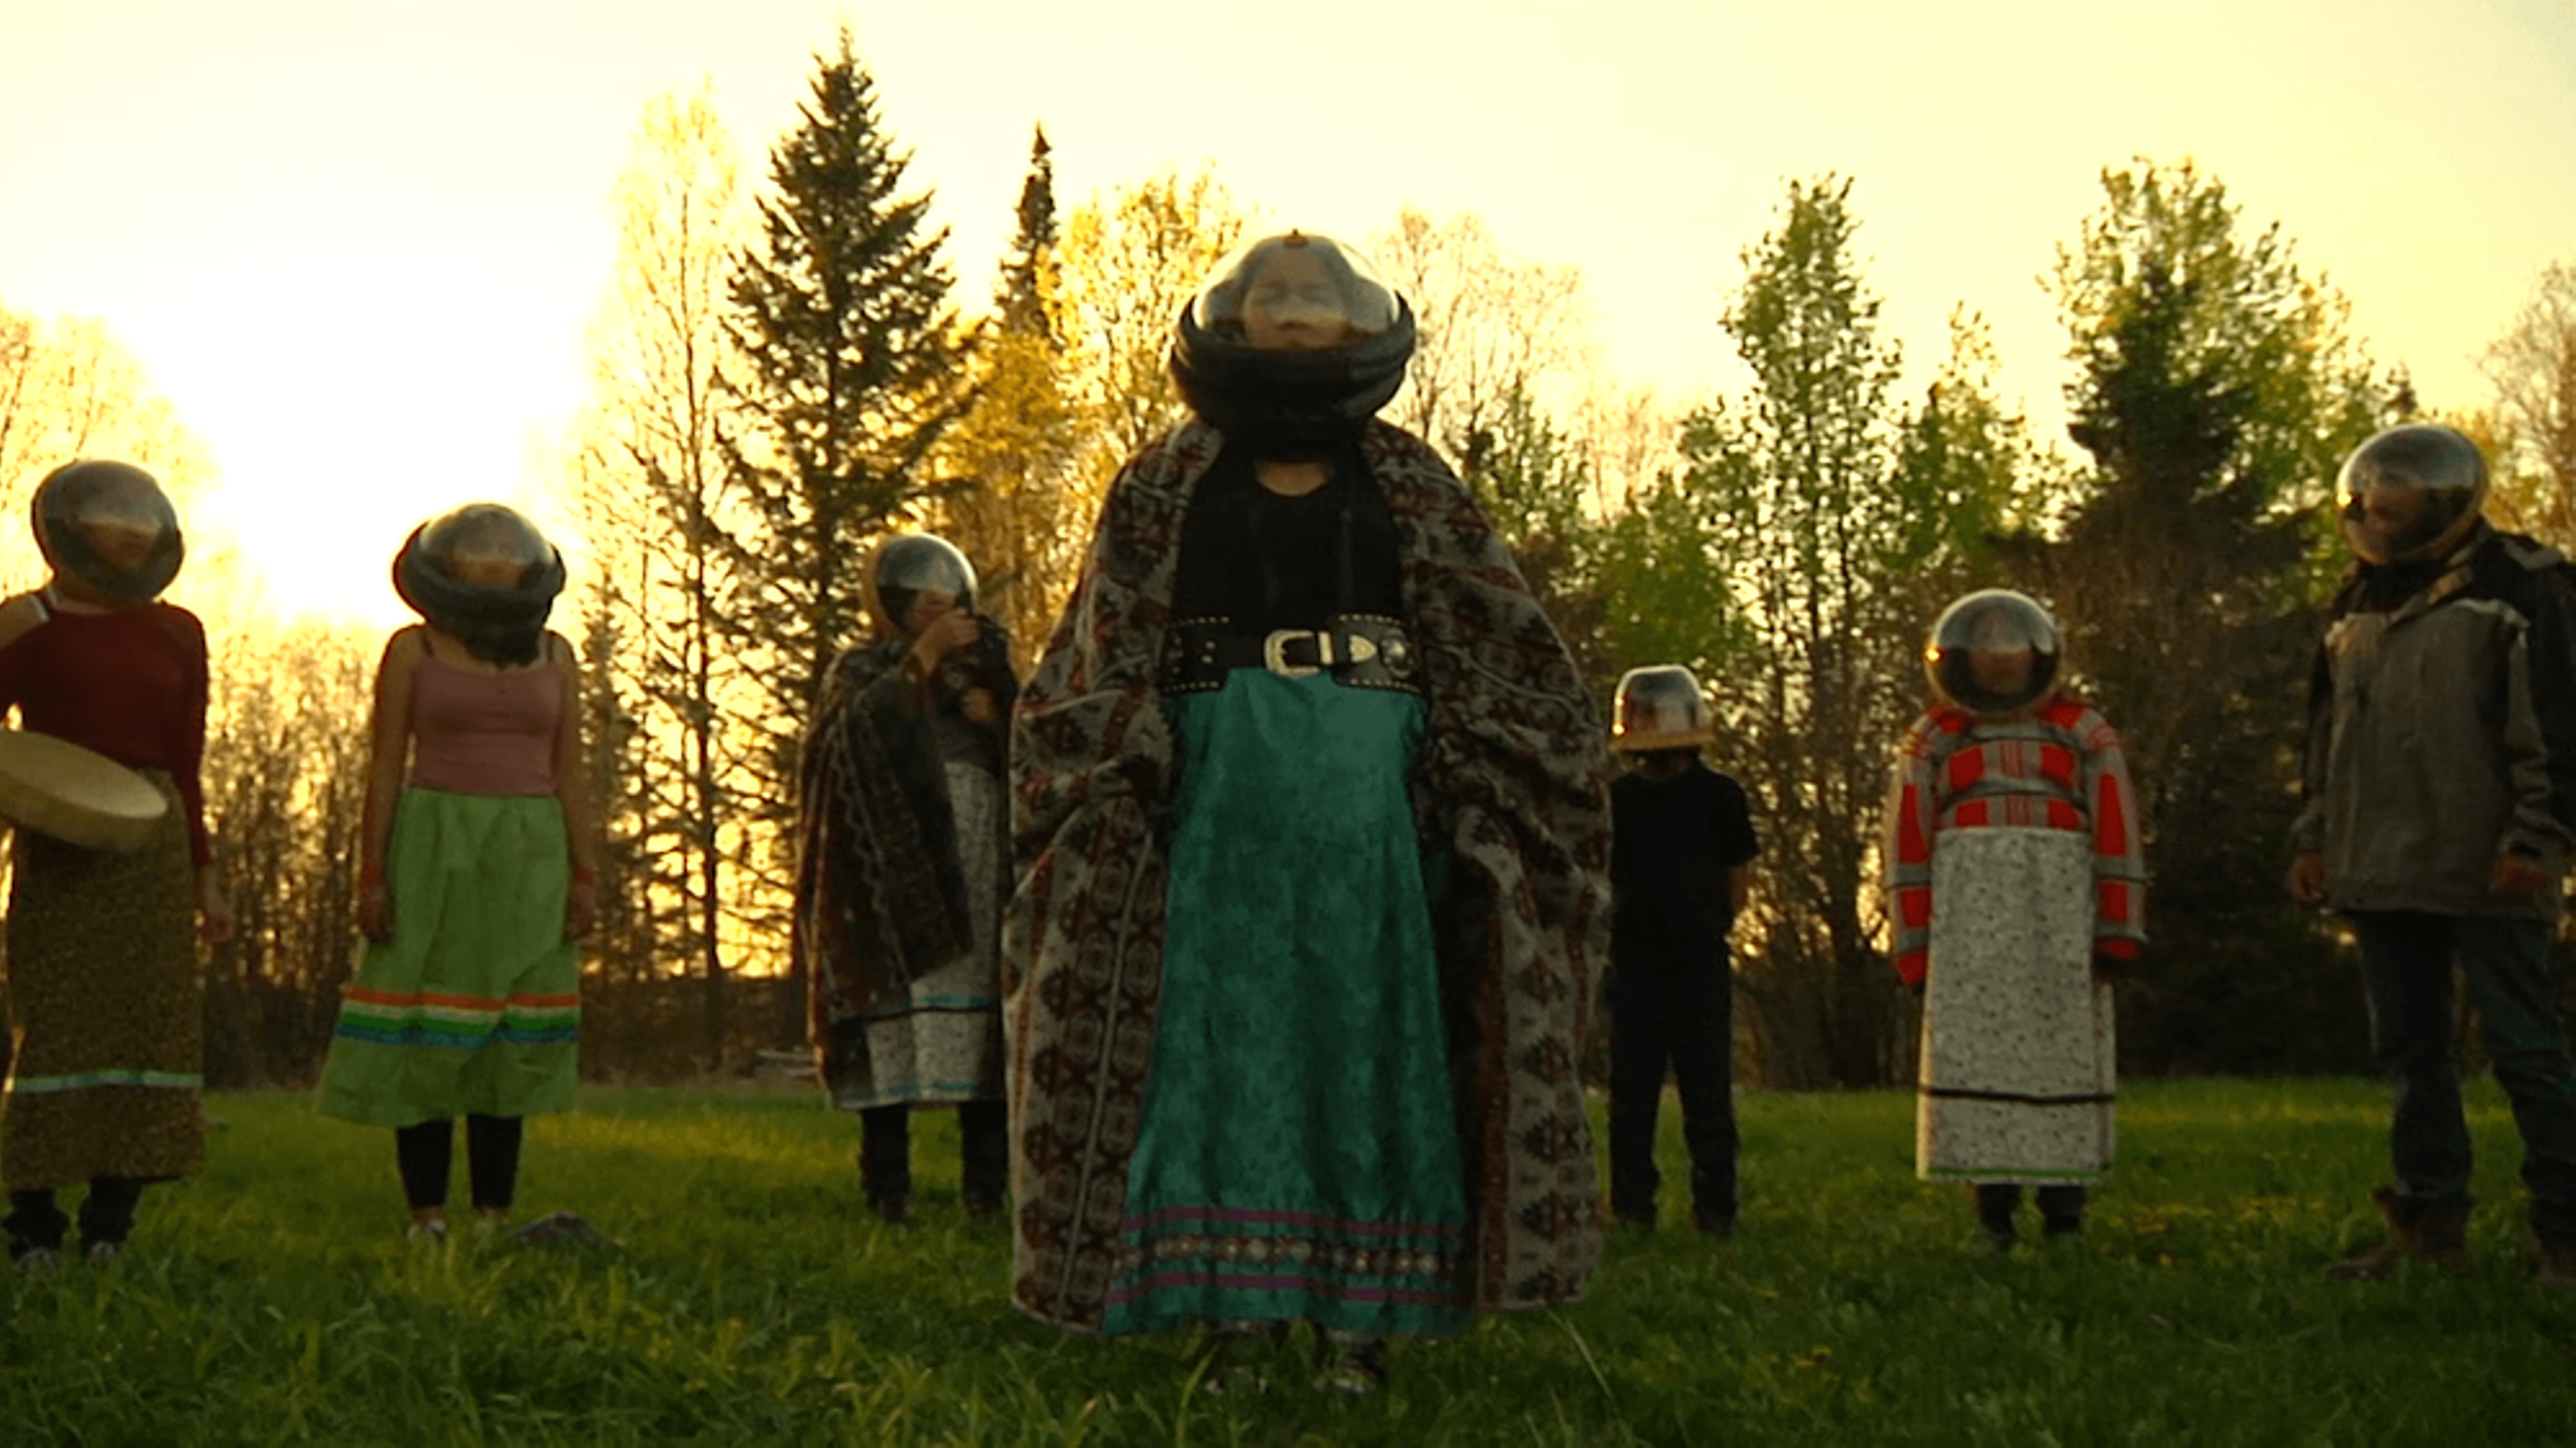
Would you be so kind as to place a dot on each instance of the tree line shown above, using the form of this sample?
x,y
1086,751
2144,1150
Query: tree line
x,y
783,372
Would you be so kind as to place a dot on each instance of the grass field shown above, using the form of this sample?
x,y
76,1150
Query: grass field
x,y
752,1301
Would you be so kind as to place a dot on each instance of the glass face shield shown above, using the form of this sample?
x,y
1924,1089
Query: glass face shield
x,y
1294,292
2410,493
485,546
908,565
1659,708
109,526
1994,652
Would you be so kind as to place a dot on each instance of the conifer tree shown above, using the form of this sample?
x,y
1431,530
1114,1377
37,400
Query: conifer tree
x,y
1013,511
853,364
2215,394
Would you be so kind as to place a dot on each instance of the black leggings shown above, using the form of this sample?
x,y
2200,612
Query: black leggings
x,y
491,1155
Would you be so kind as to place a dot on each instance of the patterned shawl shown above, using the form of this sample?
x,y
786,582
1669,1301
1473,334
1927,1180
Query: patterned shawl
x,y
880,899
1510,779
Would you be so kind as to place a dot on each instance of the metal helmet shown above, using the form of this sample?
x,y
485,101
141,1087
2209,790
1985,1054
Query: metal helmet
x,y
2412,492
907,564
109,527
1995,653
1292,345
1659,707
482,574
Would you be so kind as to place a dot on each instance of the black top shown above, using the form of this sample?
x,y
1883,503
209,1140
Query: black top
x,y
1672,842
1270,562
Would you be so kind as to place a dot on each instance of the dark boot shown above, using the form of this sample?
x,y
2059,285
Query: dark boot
x,y
885,1160
2061,1211
1349,1364
984,1146
1997,1203
2438,1235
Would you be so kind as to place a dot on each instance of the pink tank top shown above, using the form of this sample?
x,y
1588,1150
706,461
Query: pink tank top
x,y
477,733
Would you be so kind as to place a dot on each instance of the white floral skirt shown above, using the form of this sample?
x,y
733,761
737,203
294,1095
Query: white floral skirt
x,y
941,1042
2019,1054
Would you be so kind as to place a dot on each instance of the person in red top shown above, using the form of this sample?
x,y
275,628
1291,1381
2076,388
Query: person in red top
x,y
104,995
2019,891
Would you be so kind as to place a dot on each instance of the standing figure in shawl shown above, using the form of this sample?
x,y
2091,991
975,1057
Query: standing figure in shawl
x,y
104,995
1681,862
2440,808
474,870
2019,889
903,867
1313,838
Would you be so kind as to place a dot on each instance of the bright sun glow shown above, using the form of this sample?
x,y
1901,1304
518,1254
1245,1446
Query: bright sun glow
x,y
357,246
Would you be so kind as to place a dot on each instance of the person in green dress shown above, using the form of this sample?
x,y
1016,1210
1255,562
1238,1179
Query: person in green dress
x,y
475,880
1313,836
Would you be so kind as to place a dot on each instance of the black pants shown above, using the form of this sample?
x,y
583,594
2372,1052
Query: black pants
x,y
2406,960
424,1153
1676,1016
2061,1208
36,1222
885,1151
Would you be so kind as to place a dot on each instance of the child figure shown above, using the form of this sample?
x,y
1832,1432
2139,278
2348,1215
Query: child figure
x,y
104,992
2019,890
474,876
1681,854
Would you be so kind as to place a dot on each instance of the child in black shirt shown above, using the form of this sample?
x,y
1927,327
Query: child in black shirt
x,y
1681,854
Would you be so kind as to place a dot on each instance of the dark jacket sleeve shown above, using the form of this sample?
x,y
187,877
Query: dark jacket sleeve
x,y
2550,647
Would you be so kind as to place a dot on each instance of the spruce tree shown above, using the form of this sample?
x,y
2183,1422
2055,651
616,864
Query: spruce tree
x,y
1012,510
1025,281
853,365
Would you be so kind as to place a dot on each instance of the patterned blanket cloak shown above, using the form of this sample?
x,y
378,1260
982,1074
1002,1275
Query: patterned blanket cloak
x,y
879,895
1510,782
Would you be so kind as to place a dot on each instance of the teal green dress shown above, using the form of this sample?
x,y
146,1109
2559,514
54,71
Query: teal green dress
x,y
1298,1157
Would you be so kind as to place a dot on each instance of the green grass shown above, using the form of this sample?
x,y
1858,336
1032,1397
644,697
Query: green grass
x,y
754,1301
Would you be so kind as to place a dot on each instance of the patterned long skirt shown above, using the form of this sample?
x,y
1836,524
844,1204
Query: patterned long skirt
x,y
2018,1070
1298,1156
106,1011
474,1005
941,1043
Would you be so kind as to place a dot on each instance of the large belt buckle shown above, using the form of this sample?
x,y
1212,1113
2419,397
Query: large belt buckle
x,y
1274,652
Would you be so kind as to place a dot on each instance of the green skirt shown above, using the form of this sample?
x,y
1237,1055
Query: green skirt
x,y
1298,1156
474,1005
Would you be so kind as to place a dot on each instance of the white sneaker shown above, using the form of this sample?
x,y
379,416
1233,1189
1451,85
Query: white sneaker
x,y
39,1262
104,1254
433,1232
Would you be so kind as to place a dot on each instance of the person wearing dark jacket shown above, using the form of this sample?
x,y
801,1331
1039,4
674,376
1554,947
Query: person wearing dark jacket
x,y
2440,789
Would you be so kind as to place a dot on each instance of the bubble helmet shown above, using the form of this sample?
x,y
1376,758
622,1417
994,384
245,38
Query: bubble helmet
x,y
1293,344
482,574
904,566
109,529
1995,653
1659,707
2412,492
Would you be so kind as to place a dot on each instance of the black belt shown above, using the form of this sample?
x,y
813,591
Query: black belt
x,y
1360,651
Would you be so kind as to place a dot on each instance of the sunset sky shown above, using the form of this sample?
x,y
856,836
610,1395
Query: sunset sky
x,y
357,242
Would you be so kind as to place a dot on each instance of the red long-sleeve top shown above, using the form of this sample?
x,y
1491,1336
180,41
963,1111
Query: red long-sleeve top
x,y
2060,768
130,685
